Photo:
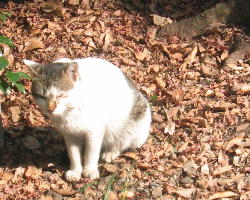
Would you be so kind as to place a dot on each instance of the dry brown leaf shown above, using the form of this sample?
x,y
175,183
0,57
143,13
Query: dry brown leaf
x,y
222,158
46,197
34,43
221,170
131,155
142,55
32,172
161,21
189,59
117,13
7,176
177,56
107,40
245,196
155,68
170,127
241,88
15,113
160,82
151,32
235,141
226,194
144,165
74,2
53,26
64,192
126,195
185,192
223,106
205,169
177,95
209,70
110,168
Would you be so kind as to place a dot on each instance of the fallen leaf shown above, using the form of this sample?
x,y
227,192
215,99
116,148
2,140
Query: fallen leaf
x,y
160,82
205,169
221,170
185,192
15,113
74,2
107,40
142,55
131,155
161,21
209,70
235,141
126,195
64,192
189,59
32,172
245,196
151,31
34,43
177,95
170,127
110,168
241,88
225,194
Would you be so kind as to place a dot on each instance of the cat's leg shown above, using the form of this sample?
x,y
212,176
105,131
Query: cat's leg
x,y
93,143
74,146
141,130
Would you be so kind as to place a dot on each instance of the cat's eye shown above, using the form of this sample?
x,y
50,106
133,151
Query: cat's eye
x,y
36,95
61,96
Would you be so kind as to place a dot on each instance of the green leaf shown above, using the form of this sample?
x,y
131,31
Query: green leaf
x,y
3,63
3,17
8,14
4,86
20,87
13,77
5,40
109,187
154,98
82,189
24,75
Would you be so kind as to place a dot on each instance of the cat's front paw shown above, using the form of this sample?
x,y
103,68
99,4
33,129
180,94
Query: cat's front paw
x,y
109,156
91,173
73,176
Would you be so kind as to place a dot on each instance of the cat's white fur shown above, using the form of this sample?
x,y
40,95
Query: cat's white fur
x,y
99,106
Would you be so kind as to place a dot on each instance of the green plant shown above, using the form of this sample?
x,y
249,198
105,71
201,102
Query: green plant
x,y
4,15
109,187
10,80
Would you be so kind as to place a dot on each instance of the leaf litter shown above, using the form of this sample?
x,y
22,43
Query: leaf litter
x,y
199,143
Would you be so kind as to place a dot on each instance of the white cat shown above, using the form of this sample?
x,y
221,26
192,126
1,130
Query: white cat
x,y
93,104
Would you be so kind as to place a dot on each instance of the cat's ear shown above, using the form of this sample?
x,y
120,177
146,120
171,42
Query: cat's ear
x,y
34,67
72,71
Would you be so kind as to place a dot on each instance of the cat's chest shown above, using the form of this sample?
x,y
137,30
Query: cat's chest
x,y
75,121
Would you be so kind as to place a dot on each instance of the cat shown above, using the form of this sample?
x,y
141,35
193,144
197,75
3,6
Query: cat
x,y
93,104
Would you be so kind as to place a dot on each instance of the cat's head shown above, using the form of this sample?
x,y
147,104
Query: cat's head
x,y
53,85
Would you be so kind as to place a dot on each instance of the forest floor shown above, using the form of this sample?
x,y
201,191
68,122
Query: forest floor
x,y
199,142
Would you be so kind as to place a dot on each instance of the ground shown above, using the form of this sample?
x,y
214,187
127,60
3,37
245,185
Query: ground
x,y
199,141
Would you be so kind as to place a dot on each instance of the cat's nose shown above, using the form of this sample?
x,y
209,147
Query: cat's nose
x,y
51,106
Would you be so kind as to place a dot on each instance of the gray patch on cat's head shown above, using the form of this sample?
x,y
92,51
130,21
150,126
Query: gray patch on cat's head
x,y
59,75
140,103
